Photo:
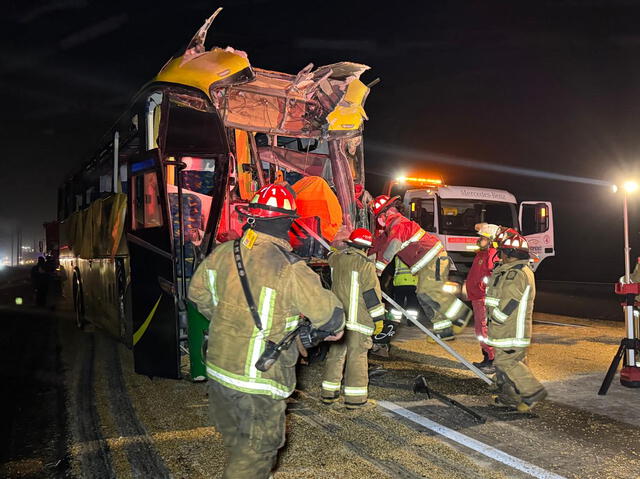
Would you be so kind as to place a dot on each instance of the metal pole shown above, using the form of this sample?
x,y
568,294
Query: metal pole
x,y
440,342
628,309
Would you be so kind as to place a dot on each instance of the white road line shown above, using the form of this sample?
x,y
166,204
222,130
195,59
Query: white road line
x,y
471,443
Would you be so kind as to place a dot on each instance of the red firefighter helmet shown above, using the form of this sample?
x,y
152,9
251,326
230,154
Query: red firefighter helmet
x,y
515,242
381,203
361,237
504,233
271,201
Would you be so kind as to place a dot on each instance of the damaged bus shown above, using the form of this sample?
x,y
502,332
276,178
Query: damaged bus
x,y
160,192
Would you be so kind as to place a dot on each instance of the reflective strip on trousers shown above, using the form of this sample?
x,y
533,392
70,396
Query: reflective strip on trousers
x,y
355,391
416,236
454,309
427,258
440,325
329,386
489,301
211,273
257,342
247,385
509,342
499,315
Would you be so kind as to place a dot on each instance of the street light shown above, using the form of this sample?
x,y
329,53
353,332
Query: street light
x,y
630,373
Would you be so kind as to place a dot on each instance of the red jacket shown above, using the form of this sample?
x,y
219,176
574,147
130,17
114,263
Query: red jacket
x,y
413,245
481,268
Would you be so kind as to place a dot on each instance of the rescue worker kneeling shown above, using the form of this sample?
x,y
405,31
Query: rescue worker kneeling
x,y
510,296
247,403
355,283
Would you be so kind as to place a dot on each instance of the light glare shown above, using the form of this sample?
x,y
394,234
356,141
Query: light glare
x,y
630,186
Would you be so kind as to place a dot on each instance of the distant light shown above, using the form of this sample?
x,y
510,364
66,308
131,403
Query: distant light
x,y
630,186
19,301
614,188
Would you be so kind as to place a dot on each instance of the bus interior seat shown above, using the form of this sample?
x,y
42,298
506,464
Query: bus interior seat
x,y
198,181
192,221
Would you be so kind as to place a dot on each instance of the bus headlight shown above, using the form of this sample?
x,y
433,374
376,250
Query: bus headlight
x,y
451,287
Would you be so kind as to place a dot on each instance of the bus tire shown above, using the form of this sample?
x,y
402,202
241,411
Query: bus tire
x,y
78,302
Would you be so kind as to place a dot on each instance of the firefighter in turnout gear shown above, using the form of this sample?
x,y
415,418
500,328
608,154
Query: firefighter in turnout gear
x,y
477,280
355,283
427,259
247,399
510,295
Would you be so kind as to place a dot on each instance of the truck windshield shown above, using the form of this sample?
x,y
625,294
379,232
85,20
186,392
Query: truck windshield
x,y
459,217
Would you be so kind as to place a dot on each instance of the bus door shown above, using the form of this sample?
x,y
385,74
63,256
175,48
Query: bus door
x,y
153,280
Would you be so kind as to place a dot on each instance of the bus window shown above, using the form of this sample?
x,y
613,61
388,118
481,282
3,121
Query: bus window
x,y
198,183
146,211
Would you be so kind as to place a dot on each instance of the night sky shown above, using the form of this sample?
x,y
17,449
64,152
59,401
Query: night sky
x,y
549,86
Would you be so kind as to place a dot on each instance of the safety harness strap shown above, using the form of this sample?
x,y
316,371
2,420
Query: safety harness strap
x,y
237,255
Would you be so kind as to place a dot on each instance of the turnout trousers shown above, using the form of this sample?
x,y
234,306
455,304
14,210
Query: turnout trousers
x,y
347,365
480,326
451,315
252,428
511,363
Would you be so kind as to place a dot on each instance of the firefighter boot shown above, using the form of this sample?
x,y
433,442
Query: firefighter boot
x,y
528,402
507,393
486,366
328,398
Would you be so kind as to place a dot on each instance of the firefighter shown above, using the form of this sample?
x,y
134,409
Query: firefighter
x,y
247,404
355,283
510,295
477,280
426,258
404,291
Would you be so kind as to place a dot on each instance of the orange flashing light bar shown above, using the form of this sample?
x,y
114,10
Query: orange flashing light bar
x,y
420,181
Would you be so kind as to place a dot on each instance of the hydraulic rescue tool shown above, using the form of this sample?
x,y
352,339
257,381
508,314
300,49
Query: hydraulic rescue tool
x,y
420,326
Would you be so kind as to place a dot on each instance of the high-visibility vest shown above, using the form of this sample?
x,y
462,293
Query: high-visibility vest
x,y
403,276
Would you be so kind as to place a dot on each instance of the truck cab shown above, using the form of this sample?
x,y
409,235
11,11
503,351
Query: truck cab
x,y
451,212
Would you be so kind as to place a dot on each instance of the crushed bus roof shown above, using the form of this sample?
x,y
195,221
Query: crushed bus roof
x,y
323,102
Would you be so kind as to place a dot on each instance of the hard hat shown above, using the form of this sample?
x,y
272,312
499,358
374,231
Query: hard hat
x,y
381,203
514,242
361,237
504,233
487,230
271,201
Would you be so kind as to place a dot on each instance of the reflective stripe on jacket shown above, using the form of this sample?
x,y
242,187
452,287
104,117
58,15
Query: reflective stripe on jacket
x,y
283,287
510,296
403,237
355,283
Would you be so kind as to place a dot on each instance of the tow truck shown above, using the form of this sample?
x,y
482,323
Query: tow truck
x,y
451,213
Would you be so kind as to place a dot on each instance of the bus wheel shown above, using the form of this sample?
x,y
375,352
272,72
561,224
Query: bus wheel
x,y
78,304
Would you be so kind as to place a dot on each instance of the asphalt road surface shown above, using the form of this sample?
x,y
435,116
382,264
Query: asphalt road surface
x,y
76,409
